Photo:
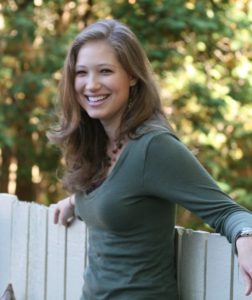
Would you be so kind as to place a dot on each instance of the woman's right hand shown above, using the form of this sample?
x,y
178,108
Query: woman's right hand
x,y
64,212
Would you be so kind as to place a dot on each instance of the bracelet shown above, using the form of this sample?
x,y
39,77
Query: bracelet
x,y
245,232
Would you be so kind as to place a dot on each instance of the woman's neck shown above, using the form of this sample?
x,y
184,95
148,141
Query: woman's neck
x,y
111,129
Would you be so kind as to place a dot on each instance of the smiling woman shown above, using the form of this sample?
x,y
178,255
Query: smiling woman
x,y
107,92
127,170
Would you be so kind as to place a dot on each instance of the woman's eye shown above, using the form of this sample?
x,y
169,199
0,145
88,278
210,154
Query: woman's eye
x,y
106,71
81,72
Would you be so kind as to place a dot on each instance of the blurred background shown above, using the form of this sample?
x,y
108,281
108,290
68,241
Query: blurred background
x,y
201,52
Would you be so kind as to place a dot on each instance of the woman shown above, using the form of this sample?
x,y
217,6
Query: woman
x,y
127,170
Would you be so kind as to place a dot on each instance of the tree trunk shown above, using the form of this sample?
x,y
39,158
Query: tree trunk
x,y
4,169
25,187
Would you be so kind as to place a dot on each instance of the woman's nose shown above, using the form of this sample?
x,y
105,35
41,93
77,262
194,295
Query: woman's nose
x,y
92,82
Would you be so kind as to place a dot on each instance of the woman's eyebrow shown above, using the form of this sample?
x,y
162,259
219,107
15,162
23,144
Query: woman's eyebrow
x,y
99,65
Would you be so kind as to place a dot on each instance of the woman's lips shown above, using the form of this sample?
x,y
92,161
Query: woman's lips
x,y
95,99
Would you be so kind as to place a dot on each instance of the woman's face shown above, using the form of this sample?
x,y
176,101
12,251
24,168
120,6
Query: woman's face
x,y
101,84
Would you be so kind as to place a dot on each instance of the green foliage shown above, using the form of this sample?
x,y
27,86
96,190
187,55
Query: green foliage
x,y
200,51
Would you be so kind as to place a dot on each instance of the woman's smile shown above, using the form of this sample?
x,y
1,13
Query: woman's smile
x,y
97,100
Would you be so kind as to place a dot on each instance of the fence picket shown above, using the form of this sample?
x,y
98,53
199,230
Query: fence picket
x,y
56,259
193,265
37,252
6,204
19,246
178,249
76,256
219,268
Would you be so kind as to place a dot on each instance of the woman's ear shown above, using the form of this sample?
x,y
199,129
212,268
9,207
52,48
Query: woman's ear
x,y
133,81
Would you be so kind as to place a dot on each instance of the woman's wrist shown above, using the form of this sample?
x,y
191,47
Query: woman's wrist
x,y
242,243
244,233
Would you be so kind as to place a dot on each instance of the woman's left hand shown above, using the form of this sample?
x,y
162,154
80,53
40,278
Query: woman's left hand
x,y
244,250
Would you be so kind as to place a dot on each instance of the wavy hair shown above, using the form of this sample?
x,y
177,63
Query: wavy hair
x,y
83,140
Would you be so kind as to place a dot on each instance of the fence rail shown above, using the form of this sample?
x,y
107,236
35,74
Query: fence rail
x,y
44,261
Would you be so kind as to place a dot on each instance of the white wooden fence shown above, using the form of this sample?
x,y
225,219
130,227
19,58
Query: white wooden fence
x,y
44,261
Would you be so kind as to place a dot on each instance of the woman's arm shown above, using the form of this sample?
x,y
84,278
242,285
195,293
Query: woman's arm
x,y
64,212
173,173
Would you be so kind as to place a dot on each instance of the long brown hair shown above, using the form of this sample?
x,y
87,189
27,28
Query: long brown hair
x,y
83,140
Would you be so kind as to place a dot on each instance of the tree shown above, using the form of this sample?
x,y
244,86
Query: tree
x,y
201,54
35,40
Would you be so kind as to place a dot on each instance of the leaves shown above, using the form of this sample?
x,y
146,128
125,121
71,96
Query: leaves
x,y
200,51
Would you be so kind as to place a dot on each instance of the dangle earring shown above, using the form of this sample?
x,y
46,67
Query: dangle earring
x,y
130,104
131,99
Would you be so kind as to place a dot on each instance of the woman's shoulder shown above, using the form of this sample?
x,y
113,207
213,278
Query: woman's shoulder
x,y
153,128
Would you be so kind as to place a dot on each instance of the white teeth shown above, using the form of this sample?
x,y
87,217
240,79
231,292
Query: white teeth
x,y
96,98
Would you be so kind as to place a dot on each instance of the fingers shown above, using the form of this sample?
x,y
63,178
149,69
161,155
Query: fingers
x,y
56,216
244,249
248,283
70,221
64,222
64,212
59,218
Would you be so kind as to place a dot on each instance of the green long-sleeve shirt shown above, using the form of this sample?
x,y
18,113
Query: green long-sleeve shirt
x,y
131,218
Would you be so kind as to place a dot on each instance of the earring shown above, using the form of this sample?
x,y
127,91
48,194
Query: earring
x,y
130,104
131,99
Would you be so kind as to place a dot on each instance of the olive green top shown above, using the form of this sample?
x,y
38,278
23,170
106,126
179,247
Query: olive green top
x,y
131,217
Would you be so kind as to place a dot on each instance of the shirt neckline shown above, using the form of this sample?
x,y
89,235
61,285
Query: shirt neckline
x,y
113,171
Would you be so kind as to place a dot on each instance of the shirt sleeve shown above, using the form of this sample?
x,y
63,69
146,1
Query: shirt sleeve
x,y
172,173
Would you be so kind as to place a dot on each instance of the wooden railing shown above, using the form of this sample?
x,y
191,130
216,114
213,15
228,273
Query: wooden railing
x,y
44,261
